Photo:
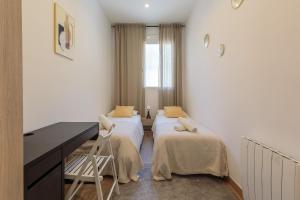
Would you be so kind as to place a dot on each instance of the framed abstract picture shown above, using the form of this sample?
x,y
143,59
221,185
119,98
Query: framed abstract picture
x,y
64,29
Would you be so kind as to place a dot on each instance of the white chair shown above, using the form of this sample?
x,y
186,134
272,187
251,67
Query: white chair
x,y
89,167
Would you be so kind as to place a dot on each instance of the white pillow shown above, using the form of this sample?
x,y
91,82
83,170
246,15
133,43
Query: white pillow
x,y
180,128
188,124
160,112
135,113
105,123
110,114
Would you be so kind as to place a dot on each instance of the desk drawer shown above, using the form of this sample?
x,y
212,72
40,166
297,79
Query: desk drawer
x,y
79,140
48,188
38,170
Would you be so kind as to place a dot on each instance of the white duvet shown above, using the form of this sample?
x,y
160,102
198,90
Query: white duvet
x,y
126,141
185,152
129,127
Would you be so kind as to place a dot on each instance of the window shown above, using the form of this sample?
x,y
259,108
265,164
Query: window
x,y
167,63
151,71
152,61
151,65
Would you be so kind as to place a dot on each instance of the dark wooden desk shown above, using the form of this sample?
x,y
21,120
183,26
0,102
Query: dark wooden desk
x,y
44,154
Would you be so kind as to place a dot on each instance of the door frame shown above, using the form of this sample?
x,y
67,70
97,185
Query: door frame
x,y
11,108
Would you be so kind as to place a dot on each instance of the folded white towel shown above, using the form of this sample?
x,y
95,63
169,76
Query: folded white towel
x,y
188,125
180,128
105,123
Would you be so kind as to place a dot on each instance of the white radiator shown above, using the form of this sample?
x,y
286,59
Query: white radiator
x,y
268,174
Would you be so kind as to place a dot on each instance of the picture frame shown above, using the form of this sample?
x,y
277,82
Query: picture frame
x,y
64,32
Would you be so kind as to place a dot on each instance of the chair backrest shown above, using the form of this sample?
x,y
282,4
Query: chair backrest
x,y
101,142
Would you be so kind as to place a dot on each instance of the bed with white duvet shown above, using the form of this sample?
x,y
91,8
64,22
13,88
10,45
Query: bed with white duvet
x,y
126,140
185,152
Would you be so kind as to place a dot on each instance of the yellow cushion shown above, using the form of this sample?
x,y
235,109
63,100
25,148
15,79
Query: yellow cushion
x,y
174,112
123,111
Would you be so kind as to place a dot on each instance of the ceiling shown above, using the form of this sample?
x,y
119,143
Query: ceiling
x,y
159,11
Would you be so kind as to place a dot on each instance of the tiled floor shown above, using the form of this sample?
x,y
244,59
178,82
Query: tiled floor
x,y
199,187
146,149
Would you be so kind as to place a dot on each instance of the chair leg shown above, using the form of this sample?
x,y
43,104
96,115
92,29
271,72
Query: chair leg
x,y
99,190
77,183
97,181
115,176
73,190
70,192
113,165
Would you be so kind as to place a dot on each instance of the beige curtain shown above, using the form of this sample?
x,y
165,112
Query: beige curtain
x,y
129,64
170,39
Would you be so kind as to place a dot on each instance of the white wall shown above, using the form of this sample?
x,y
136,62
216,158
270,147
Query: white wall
x,y
152,100
254,89
55,88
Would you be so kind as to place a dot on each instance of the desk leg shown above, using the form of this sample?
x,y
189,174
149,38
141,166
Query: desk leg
x,y
63,179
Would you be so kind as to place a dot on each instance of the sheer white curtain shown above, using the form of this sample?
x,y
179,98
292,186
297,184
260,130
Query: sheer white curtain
x,y
151,65
170,40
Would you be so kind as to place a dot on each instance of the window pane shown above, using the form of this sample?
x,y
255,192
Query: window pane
x,y
151,65
167,73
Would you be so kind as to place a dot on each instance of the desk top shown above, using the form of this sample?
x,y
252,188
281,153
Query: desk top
x,y
52,137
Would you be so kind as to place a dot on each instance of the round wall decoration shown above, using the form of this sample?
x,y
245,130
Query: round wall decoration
x,y
221,50
236,3
206,41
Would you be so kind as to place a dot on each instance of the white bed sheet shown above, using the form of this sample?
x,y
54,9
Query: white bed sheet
x,y
129,127
184,152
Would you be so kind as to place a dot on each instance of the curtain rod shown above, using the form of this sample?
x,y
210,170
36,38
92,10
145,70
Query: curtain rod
x,y
148,26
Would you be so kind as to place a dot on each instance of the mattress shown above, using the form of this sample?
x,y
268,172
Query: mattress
x,y
184,152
